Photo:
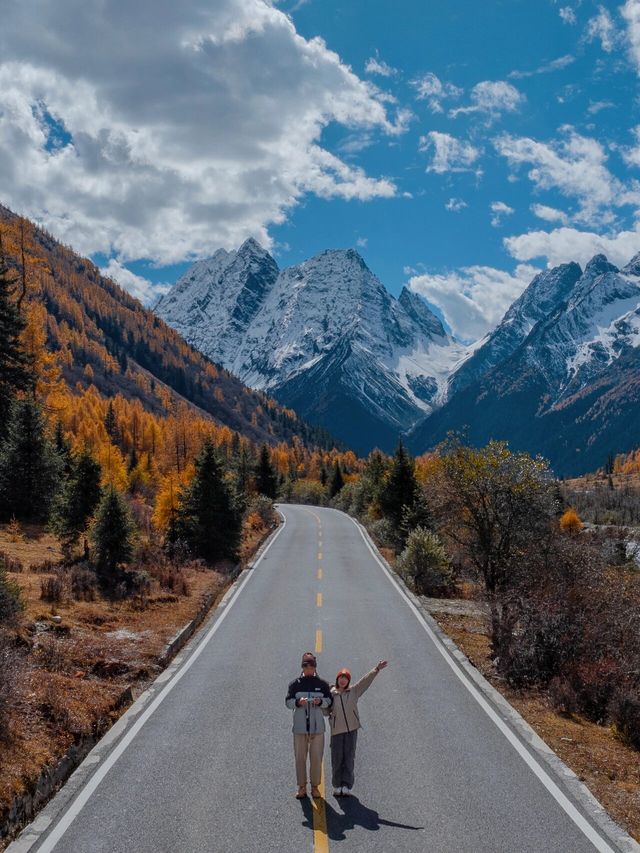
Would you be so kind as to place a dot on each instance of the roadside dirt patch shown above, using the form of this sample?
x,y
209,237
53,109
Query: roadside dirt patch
x,y
596,755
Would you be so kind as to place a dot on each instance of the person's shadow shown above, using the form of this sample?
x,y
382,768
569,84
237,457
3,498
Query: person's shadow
x,y
353,814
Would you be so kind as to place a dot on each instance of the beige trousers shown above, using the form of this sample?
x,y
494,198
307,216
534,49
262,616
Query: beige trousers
x,y
313,746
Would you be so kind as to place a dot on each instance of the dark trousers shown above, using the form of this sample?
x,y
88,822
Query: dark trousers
x,y
343,756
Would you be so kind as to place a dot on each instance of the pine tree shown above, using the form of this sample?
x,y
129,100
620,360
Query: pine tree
x,y
112,534
15,373
77,501
401,488
266,480
337,480
207,518
111,424
323,475
30,469
62,447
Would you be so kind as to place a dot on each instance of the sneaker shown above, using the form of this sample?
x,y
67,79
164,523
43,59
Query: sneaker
x,y
301,793
345,791
337,792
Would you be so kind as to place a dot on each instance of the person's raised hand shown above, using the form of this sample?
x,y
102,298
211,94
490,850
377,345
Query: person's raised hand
x,y
381,664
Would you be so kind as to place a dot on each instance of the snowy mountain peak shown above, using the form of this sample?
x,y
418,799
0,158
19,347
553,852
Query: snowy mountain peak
x,y
598,265
633,267
418,310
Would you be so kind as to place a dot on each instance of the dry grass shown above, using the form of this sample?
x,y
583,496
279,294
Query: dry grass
x,y
608,768
76,669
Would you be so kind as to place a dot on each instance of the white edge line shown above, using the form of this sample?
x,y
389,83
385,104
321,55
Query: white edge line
x,y
587,829
78,804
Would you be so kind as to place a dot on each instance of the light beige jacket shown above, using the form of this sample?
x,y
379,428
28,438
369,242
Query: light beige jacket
x,y
343,716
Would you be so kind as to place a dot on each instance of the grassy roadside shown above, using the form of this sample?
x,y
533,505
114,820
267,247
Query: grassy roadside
x,y
609,768
81,663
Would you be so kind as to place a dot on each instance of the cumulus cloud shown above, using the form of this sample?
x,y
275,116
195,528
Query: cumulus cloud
x,y
631,13
549,214
434,91
145,290
492,97
576,167
473,299
172,139
455,205
499,210
602,28
449,154
569,244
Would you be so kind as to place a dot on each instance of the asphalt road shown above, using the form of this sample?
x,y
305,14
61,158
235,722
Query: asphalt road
x,y
212,767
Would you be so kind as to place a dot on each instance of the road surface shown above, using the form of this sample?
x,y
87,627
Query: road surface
x,y
211,768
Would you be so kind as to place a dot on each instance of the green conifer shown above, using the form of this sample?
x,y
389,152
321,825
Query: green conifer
x,y
401,488
15,373
77,501
208,519
30,469
337,480
266,480
112,535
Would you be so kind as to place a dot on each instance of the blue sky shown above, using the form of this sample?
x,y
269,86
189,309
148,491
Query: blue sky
x,y
460,147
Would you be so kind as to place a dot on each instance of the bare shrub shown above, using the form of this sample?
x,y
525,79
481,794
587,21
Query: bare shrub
x,y
625,713
52,589
60,708
50,654
11,672
10,564
174,581
84,583
262,507
563,696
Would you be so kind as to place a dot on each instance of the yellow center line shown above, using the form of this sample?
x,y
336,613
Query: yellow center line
x,y
319,574
319,599
320,837
318,641
319,555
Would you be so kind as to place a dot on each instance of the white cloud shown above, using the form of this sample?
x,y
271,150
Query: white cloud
x,y
455,205
569,244
145,290
449,154
433,90
631,13
576,167
378,66
499,210
473,299
555,65
567,14
362,242
180,142
492,97
597,106
549,214
601,27
631,155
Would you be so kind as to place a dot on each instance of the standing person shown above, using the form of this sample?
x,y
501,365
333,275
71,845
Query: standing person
x,y
345,722
308,695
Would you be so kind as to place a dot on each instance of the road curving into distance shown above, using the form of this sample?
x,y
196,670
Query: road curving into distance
x,y
208,765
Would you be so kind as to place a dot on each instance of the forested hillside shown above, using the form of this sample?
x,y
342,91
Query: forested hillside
x,y
103,337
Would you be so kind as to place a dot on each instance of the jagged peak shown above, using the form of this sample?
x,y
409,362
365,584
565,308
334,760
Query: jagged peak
x,y
417,308
598,265
251,246
633,267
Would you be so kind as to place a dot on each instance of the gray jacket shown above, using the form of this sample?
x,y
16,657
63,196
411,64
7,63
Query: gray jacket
x,y
308,718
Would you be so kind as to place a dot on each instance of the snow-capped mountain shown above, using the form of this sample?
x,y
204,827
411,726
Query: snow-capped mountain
x,y
324,336
568,385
